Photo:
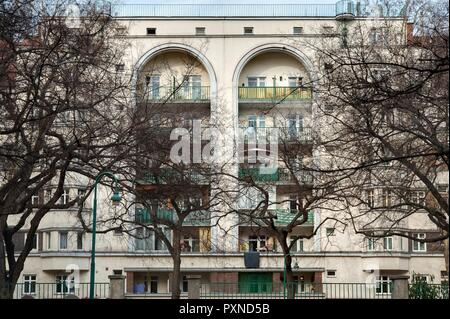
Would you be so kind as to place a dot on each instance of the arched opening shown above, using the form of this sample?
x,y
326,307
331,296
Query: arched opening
x,y
274,76
173,76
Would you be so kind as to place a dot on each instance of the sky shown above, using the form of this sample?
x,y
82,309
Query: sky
x,y
225,1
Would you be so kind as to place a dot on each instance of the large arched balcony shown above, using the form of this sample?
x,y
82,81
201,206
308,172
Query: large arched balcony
x,y
274,77
173,76
275,97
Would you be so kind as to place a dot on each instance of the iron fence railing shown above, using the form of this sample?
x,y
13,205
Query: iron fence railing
x,y
283,217
279,175
274,93
59,290
249,134
195,217
181,93
295,290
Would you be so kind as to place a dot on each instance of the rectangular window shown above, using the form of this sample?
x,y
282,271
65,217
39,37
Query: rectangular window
x,y
295,81
65,197
248,30
384,285
327,29
422,278
34,244
81,192
191,244
118,231
200,30
371,242
49,240
331,273
65,285
387,198
418,197
419,246
377,35
154,284
298,30
79,241
257,243
153,87
293,200
256,81
29,284
151,31
298,245
387,243
192,87
330,231
144,239
120,67
34,200
370,197
184,284
63,238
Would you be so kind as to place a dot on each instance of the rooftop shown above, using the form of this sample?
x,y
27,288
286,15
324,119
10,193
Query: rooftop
x,y
245,8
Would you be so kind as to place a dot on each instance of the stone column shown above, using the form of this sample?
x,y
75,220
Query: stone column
x,y
116,287
194,286
400,289
317,277
130,282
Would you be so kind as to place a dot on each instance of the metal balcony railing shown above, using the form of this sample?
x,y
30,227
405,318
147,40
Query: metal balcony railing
x,y
183,93
275,175
195,218
274,93
170,176
274,134
280,216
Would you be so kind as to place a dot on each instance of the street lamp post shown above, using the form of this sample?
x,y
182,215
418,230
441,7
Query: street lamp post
x,y
115,198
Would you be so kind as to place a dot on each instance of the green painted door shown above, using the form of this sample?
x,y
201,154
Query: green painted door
x,y
255,282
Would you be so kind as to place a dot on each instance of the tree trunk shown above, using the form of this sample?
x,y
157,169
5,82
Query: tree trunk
x,y
290,288
176,274
6,287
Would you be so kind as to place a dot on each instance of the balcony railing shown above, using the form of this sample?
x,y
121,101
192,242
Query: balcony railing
x,y
195,218
170,176
274,134
143,216
281,217
274,93
275,175
183,93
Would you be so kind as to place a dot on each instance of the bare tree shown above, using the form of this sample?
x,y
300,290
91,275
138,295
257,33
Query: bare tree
x,y
301,189
61,99
383,100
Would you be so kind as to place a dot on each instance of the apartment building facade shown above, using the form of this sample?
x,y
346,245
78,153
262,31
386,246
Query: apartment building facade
x,y
246,57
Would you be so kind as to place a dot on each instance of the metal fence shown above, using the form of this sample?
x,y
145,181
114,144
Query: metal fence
x,y
270,290
183,93
59,290
274,93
